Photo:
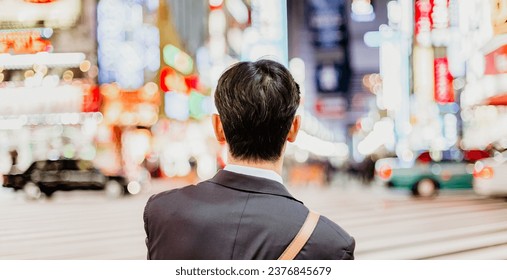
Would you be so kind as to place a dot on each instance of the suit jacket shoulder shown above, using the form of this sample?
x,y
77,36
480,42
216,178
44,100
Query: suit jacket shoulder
x,y
234,216
330,242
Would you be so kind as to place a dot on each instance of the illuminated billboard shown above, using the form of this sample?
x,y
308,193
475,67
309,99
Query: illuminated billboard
x,y
55,14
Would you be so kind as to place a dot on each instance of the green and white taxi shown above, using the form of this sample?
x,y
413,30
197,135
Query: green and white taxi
x,y
430,171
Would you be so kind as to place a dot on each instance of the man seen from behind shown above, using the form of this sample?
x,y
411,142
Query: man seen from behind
x,y
244,211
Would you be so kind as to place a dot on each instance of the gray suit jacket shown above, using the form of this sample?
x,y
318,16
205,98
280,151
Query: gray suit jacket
x,y
235,216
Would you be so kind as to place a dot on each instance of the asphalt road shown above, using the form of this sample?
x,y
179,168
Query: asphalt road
x,y
385,224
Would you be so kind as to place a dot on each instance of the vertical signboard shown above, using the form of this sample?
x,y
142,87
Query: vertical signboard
x,y
423,71
444,92
422,22
455,50
391,71
327,22
439,14
440,22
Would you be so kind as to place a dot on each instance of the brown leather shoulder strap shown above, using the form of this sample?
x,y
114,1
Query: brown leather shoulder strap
x,y
302,237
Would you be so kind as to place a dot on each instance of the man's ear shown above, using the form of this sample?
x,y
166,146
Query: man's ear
x,y
294,129
217,128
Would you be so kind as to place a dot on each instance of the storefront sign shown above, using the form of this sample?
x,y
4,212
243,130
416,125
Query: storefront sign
x,y
496,61
41,100
75,98
130,107
91,98
27,61
33,13
24,41
444,92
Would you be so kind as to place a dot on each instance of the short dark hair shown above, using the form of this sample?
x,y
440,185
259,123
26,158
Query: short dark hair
x,y
257,102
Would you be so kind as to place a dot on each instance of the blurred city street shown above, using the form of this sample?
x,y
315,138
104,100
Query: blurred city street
x,y
118,96
386,224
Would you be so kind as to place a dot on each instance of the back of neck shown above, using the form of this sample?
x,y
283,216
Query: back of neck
x,y
275,166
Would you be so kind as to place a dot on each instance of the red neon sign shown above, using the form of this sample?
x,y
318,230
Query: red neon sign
x,y
91,98
496,61
444,93
423,21
170,80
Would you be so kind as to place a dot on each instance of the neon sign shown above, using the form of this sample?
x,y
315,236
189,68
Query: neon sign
x,y
444,92
25,41
423,21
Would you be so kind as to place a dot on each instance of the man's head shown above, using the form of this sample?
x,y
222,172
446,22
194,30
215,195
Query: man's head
x,y
257,103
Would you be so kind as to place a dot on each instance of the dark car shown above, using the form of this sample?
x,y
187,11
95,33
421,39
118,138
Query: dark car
x,y
48,176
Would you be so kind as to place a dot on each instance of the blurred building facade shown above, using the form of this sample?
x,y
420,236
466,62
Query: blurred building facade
x,y
328,37
130,84
439,86
49,100
233,31
134,80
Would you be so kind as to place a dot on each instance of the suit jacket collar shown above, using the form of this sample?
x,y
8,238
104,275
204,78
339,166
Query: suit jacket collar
x,y
248,183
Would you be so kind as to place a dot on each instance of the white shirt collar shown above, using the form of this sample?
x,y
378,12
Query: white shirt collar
x,y
253,171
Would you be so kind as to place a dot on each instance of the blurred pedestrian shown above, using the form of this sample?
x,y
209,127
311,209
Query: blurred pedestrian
x,y
244,212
